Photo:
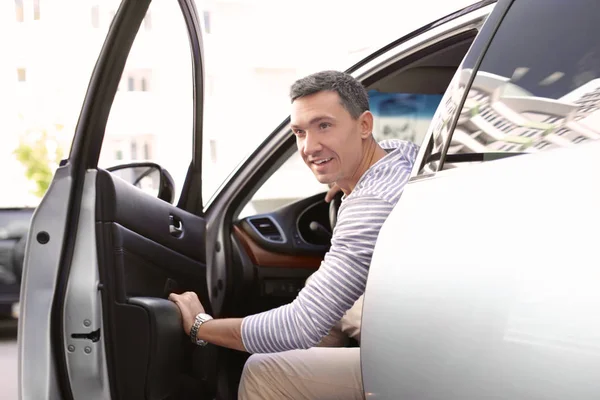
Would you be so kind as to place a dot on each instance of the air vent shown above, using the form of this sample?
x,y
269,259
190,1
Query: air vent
x,y
267,228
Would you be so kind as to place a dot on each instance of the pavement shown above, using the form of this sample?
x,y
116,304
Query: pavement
x,y
8,360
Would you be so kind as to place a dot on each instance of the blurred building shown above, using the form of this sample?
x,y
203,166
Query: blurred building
x,y
498,115
254,50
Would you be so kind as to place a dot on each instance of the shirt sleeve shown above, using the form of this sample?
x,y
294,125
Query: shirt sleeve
x,y
331,291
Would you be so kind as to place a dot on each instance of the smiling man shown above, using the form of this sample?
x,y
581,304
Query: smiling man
x,y
333,127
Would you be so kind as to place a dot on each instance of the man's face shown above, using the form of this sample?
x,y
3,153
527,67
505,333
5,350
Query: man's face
x,y
329,140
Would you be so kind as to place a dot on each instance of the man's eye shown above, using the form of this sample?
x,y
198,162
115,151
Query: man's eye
x,y
298,133
324,125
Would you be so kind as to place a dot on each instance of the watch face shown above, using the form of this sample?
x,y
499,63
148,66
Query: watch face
x,y
204,317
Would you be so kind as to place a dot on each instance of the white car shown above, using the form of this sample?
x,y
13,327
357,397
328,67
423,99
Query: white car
x,y
484,281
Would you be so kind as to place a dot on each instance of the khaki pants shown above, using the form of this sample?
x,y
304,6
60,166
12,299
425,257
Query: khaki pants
x,y
328,371
317,373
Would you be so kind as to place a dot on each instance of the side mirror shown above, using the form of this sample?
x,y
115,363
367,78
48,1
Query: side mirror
x,y
149,177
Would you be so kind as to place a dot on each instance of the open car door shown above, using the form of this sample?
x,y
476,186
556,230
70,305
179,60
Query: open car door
x,y
103,255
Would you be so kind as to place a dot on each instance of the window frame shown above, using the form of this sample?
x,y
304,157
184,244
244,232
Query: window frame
x,y
541,144
439,150
432,154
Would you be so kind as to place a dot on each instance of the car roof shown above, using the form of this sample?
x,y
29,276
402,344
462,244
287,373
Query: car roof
x,y
417,32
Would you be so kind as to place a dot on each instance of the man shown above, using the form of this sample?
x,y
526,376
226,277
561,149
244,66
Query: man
x,y
333,127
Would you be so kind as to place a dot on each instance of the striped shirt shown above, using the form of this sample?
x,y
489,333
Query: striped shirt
x,y
342,276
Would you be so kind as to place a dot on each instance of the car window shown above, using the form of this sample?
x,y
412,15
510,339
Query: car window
x,y
292,181
151,118
403,116
538,86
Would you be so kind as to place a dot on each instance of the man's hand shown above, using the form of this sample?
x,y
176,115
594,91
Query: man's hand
x,y
333,189
225,332
189,306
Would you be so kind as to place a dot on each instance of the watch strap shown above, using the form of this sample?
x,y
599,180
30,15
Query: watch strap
x,y
198,321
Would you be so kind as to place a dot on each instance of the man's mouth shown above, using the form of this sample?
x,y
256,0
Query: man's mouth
x,y
322,161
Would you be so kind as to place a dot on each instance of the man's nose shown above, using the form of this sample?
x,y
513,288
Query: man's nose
x,y
312,145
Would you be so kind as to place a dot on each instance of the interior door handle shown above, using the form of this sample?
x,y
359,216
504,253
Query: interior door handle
x,y
175,226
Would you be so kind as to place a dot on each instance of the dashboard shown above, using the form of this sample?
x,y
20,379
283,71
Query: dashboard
x,y
283,249
300,228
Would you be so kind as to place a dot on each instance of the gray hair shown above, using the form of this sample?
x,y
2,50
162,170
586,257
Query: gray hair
x,y
353,95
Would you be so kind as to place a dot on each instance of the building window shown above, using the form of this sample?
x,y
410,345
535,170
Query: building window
x,y
119,155
36,10
207,21
96,16
139,80
21,74
19,10
134,150
146,151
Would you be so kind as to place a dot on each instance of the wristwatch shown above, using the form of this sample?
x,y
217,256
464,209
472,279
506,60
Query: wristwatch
x,y
199,320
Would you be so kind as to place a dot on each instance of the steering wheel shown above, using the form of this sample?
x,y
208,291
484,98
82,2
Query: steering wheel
x,y
334,207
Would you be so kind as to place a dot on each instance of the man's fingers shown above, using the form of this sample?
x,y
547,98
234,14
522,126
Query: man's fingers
x,y
191,296
187,298
328,196
331,193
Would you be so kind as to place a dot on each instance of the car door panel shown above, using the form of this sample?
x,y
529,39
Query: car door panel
x,y
487,272
144,266
163,347
145,249
505,300
141,260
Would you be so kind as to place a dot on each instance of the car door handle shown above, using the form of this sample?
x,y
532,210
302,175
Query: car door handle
x,y
175,226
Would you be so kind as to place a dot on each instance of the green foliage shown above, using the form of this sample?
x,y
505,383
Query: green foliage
x,y
40,153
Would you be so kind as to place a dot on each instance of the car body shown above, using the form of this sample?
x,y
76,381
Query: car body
x,y
483,279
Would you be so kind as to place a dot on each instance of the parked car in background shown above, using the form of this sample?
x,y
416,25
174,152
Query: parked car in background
x,y
14,223
483,282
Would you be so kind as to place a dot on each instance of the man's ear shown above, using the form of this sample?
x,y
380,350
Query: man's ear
x,y
366,124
